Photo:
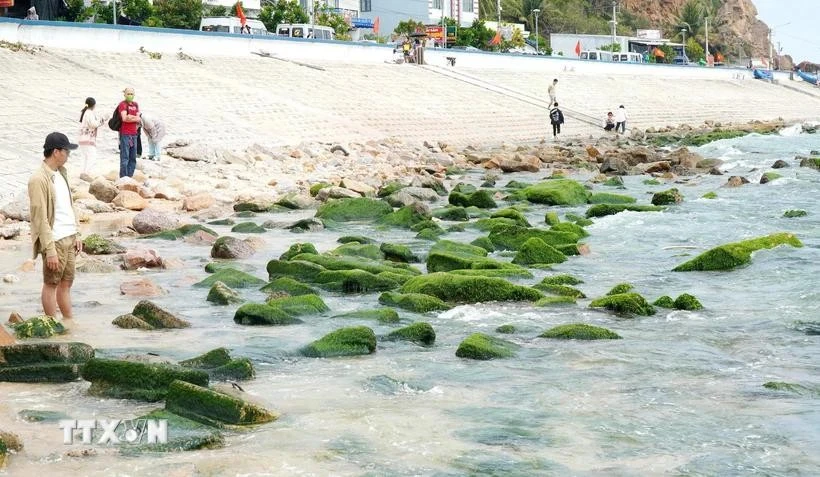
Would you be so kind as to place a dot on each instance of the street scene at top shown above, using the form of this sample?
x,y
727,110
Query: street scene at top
x,y
409,237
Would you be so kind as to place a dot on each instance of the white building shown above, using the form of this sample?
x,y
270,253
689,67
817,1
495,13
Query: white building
x,y
429,12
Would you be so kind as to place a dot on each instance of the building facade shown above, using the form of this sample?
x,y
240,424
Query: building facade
x,y
429,12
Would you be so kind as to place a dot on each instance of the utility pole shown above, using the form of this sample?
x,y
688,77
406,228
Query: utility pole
x,y
771,66
114,2
313,20
707,41
537,40
444,26
498,7
614,21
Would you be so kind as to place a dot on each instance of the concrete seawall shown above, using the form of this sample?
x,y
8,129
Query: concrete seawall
x,y
229,96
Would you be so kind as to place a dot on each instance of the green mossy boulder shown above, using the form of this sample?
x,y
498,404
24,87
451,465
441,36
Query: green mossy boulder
x,y
178,233
183,435
405,217
579,331
505,329
227,221
555,300
651,182
484,347
260,314
810,162
561,280
536,251
131,322
355,263
232,278
570,228
213,408
382,315
41,415
220,366
790,214
620,288
43,362
798,389
448,246
296,249
444,262
420,333
398,253
43,326
350,238
664,302
578,220
509,213
517,272
452,213
709,195
221,294
557,192
415,302
490,224
95,244
351,341
551,218
315,188
368,251
615,181
602,210
213,267
248,228
353,209
156,316
736,254
132,380
245,214
482,199
469,289
464,188
688,302
698,140
301,305
667,197
560,290
513,237
288,285
354,281
296,269
390,188
485,243
769,176
624,303
609,198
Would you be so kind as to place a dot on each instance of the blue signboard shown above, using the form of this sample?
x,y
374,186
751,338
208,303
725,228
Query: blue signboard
x,y
361,22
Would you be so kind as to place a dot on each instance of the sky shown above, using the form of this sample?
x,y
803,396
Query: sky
x,y
801,37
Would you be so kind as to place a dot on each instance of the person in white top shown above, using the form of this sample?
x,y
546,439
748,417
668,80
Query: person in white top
x,y
155,130
553,91
620,119
90,121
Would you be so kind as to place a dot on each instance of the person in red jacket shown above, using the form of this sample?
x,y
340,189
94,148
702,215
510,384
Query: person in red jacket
x,y
129,111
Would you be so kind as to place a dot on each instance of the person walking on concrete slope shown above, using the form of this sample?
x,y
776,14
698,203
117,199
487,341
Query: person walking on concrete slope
x,y
553,91
54,226
129,111
90,121
31,14
620,119
155,130
557,119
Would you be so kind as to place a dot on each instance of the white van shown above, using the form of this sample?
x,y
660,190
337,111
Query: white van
x,y
627,57
305,30
596,55
231,25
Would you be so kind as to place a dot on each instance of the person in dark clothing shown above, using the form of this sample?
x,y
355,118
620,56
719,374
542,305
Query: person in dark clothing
x,y
557,119
609,122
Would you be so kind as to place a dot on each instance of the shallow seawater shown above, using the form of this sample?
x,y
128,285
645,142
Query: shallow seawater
x,y
680,394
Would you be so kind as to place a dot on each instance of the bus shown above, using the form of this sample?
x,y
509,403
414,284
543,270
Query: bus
x,y
305,30
231,25
630,57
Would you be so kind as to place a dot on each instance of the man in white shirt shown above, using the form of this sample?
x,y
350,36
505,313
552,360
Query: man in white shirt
x,y
54,225
553,91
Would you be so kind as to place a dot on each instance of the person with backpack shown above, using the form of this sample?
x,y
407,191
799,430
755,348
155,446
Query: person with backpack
x,y
557,119
129,113
90,121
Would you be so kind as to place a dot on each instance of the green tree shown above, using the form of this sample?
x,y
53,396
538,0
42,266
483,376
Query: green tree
x,y
693,50
137,10
77,11
611,47
669,53
282,11
327,17
408,26
183,14
215,11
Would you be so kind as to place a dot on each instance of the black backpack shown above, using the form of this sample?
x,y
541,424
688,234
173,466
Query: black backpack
x,y
115,123
555,115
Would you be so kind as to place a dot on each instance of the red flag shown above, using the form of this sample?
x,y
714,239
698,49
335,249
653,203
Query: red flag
x,y
578,48
376,26
241,14
496,39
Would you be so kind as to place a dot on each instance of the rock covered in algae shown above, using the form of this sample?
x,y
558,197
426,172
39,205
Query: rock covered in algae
x,y
579,331
350,341
736,254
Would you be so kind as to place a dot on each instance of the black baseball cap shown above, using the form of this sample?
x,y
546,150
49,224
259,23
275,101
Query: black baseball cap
x,y
58,140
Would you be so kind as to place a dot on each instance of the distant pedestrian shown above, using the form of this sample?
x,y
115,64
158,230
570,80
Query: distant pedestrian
x,y
129,111
553,91
155,131
620,119
31,14
557,119
609,122
90,121
54,225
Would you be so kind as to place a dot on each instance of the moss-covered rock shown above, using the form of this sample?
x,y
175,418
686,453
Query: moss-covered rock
x,y
536,251
220,366
221,294
791,388
389,188
261,314
382,315
183,435
609,198
469,289
709,195
8,443
398,253
505,329
664,302
131,322
790,214
485,243
570,227
578,220
297,248
43,362
688,302
368,251
557,192
416,302
420,333
732,255
621,288
651,182
555,300
484,347
579,331
232,278
296,269
178,233
482,199
248,228
299,305
602,210
699,139
441,261
95,244
810,162
405,217
348,239
769,176
518,272
210,407
351,341
43,326
157,317
245,214
667,197
329,262
288,285
452,213
551,218
226,221
513,237
315,188
353,209
560,290
510,213
561,280
625,303
354,281
132,380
